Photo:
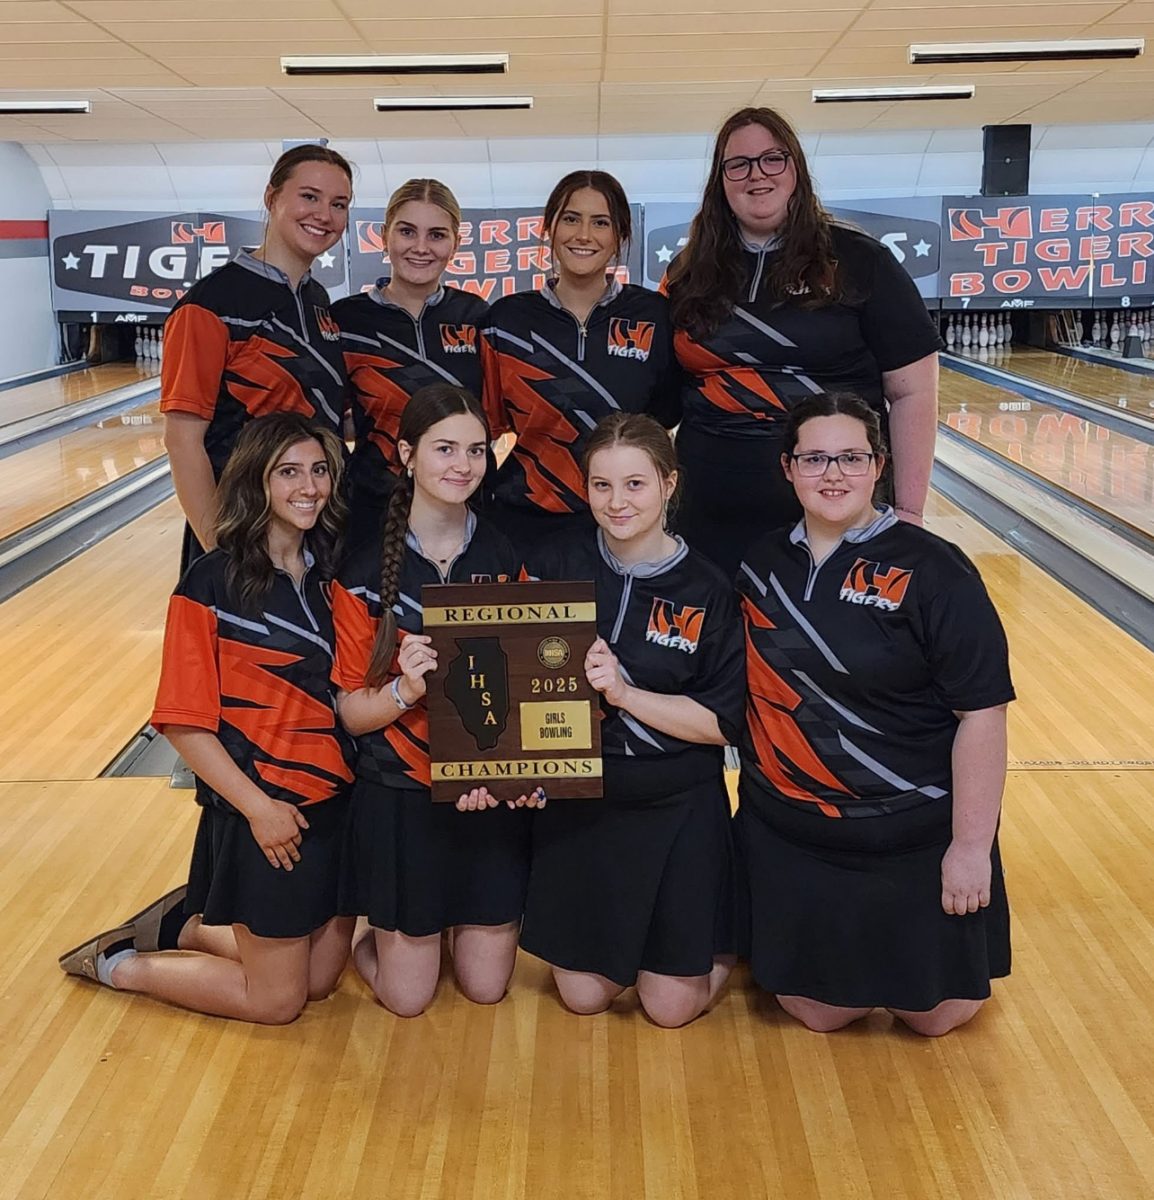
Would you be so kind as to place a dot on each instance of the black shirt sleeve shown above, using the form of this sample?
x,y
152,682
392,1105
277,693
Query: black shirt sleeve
x,y
967,646
895,323
720,684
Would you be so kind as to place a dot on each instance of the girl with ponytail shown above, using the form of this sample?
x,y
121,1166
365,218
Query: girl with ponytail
x,y
414,868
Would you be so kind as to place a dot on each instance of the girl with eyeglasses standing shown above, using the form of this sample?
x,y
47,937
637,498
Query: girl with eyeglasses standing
x,y
874,755
773,302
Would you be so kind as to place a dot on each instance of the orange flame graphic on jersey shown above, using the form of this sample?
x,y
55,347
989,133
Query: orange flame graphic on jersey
x,y
679,628
459,339
630,339
867,583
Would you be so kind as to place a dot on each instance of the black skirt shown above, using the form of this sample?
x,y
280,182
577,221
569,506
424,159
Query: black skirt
x,y
419,867
640,881
848,911
230,882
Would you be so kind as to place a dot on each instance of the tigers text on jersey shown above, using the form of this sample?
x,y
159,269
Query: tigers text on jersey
x,y
390,354
766,357
398,755
241,344
674,628
858,664
259,681
550,379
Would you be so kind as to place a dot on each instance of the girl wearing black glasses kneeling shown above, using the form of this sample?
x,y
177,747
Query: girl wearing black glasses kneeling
x,y
874,756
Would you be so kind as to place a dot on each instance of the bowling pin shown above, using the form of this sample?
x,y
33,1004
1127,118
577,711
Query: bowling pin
x,y
1115,332
966,332
951,333
983,331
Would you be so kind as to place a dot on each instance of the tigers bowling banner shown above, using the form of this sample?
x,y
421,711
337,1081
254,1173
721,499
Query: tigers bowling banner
x,y
1047,251
123,266
502,251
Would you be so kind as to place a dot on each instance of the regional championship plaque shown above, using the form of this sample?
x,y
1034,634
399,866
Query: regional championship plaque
x,y
509,705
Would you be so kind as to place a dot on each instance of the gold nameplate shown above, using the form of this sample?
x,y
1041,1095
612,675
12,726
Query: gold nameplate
x,y
535,769
556,726
472,615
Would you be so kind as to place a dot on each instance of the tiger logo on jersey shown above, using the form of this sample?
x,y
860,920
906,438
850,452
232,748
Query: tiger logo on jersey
x,y
630,339
459,339
330,330
875,586
677,628
477,578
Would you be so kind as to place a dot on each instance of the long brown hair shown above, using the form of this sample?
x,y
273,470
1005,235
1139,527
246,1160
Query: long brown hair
x,y
705,280
244,509
599,181
642,432
427,406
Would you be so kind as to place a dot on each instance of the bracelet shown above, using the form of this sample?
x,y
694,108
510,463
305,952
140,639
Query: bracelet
x,y
395,692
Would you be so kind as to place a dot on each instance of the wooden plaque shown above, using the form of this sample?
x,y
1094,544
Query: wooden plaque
x,y
509,704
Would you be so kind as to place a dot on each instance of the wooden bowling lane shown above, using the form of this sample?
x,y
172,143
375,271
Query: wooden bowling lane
x,y
83,645
45,395
56,473
1105,385
1110,470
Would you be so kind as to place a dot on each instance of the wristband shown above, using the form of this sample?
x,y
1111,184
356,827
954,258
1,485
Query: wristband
x,y
395,692
912,512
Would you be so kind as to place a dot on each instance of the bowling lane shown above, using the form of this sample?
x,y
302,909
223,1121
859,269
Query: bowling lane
x,y
1105,385
1099,466
33,399
56,473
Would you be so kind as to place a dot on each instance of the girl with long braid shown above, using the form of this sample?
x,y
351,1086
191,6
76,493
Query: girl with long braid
x,y
415,868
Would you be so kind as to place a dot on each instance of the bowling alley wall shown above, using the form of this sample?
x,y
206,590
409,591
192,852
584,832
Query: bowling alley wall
x,y
132,226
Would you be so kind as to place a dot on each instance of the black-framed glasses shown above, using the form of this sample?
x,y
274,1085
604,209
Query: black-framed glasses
x,y
851,462
772,162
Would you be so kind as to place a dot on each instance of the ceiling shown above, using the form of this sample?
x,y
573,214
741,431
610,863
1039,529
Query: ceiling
x,y
208,70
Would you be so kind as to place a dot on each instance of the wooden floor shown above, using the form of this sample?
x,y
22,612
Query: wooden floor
x,y
1046,1095
58,472
1125,390
1111,470
32,399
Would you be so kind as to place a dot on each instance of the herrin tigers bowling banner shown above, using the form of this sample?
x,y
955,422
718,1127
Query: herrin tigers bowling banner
x,y
1073,251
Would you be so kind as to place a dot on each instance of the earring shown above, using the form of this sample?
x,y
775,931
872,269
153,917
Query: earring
x,y
409,471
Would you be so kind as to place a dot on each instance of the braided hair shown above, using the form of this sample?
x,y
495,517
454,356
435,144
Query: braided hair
x,y
427,406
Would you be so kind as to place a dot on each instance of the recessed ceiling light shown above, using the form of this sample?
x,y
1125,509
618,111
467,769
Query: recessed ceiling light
x,y
886,94
395,64
45,106
435,103
1084,48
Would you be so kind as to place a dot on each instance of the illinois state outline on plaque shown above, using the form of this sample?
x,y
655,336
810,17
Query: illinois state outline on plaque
x,y
477,685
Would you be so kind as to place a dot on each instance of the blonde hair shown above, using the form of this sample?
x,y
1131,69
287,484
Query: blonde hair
x,y
430,191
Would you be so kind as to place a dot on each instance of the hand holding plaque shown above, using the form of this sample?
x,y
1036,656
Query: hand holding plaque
x,y
509,705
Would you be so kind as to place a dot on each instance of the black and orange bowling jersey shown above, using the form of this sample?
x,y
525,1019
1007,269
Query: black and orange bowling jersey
x,y
674,628
242,344
858,664
742,380
259,681
398,754
389,354
549,379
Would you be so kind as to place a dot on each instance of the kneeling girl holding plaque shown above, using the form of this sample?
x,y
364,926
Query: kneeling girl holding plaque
x,y
636,888
412,867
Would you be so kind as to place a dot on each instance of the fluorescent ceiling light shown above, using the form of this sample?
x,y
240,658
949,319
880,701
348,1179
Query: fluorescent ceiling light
x,y
396,64
45,106
886,94
1082,48
435,103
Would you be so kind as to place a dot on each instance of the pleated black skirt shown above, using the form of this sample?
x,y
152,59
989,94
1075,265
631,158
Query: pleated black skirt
x,y
230,882
419,867
848,911
640,881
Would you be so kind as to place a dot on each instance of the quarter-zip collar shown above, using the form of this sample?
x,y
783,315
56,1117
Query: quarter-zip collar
x,y
886,519
299,588
247,259
760,251
378,296
414,543
631,571
612,291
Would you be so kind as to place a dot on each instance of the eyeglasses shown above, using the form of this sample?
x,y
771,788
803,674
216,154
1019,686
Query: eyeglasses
x,y
852,462
772,162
